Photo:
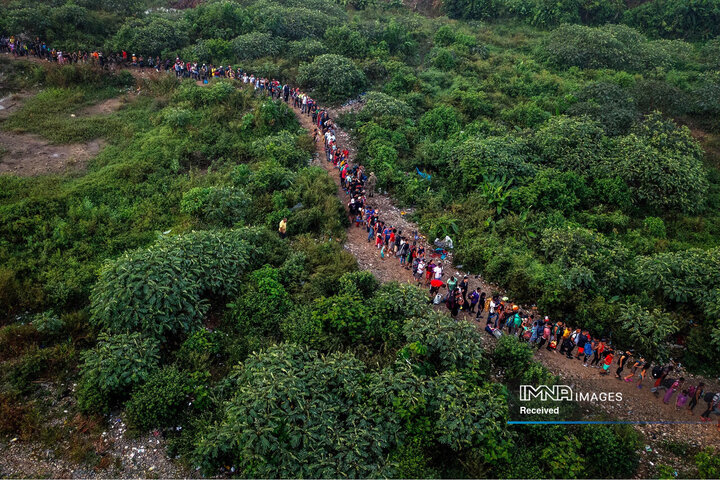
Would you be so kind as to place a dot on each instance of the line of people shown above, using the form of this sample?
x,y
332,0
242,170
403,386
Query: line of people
x,y
427,265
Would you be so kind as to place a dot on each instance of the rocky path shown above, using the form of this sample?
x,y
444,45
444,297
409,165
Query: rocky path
x,y
638,404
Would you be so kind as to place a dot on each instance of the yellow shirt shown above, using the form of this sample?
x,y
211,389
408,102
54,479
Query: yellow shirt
x,y
283,226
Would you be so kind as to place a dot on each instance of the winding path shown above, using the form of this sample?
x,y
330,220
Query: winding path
x,y
638,404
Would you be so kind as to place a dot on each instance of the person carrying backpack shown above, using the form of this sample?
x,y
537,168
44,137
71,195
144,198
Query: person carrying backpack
x,y
713,406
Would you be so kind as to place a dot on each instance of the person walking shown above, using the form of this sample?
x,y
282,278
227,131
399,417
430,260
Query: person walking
x,y
370,184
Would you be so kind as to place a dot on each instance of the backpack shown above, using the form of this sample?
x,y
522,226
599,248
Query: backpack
x,y
438,299
657,371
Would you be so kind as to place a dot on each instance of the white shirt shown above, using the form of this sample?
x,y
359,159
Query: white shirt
x,y
438,272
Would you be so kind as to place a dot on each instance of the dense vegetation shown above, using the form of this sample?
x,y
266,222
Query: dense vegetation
x,y
561,139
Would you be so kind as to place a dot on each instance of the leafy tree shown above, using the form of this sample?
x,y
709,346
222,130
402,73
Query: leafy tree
x,y
224,206
478,158
440,343
111,369
306,50
254,45
512,356
152,35
332,77
439,123
218,20
662,177
378,104
159,290
345,41
262,304
621,443
647,331
608,104
610,46
296,413
677,19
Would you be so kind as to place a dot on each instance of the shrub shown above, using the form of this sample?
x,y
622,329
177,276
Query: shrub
x,y
479,158
158,290
663,177
344,41
677,18
306,50
302,397
159,401
152,35
439,123
113,368
332,77
262,304
442,343
708,463
378,104
283,148
471,9
621,443
362,282
610,46
512,356
608,104
256,45
225,206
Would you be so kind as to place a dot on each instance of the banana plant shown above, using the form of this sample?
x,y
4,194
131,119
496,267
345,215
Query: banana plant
x,y
496,191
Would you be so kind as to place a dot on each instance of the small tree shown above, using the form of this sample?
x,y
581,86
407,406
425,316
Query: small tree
x,y
332,77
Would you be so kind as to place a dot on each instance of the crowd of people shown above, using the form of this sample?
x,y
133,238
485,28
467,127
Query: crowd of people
x,y
426,264
18,47
501,316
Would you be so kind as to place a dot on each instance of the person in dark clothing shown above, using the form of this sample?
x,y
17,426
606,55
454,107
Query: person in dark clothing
x,y
697,395
621,362
581,341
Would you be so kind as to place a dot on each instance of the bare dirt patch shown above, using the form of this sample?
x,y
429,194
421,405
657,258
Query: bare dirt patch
x,y
12,102
28,155
105,107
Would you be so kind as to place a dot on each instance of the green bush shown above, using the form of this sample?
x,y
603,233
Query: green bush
x,y
620,442
116,365
306,50
378,104
332,78
439,123
608,104
471,9
224,206
302,397
263,304
152,35
159,402
512,357
708,463
442,344
345,41
159,290
256,45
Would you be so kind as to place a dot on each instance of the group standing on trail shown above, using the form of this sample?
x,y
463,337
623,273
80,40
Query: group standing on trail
x,y
425,264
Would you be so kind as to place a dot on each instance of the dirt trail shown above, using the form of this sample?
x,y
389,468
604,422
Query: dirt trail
x,y
638,404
